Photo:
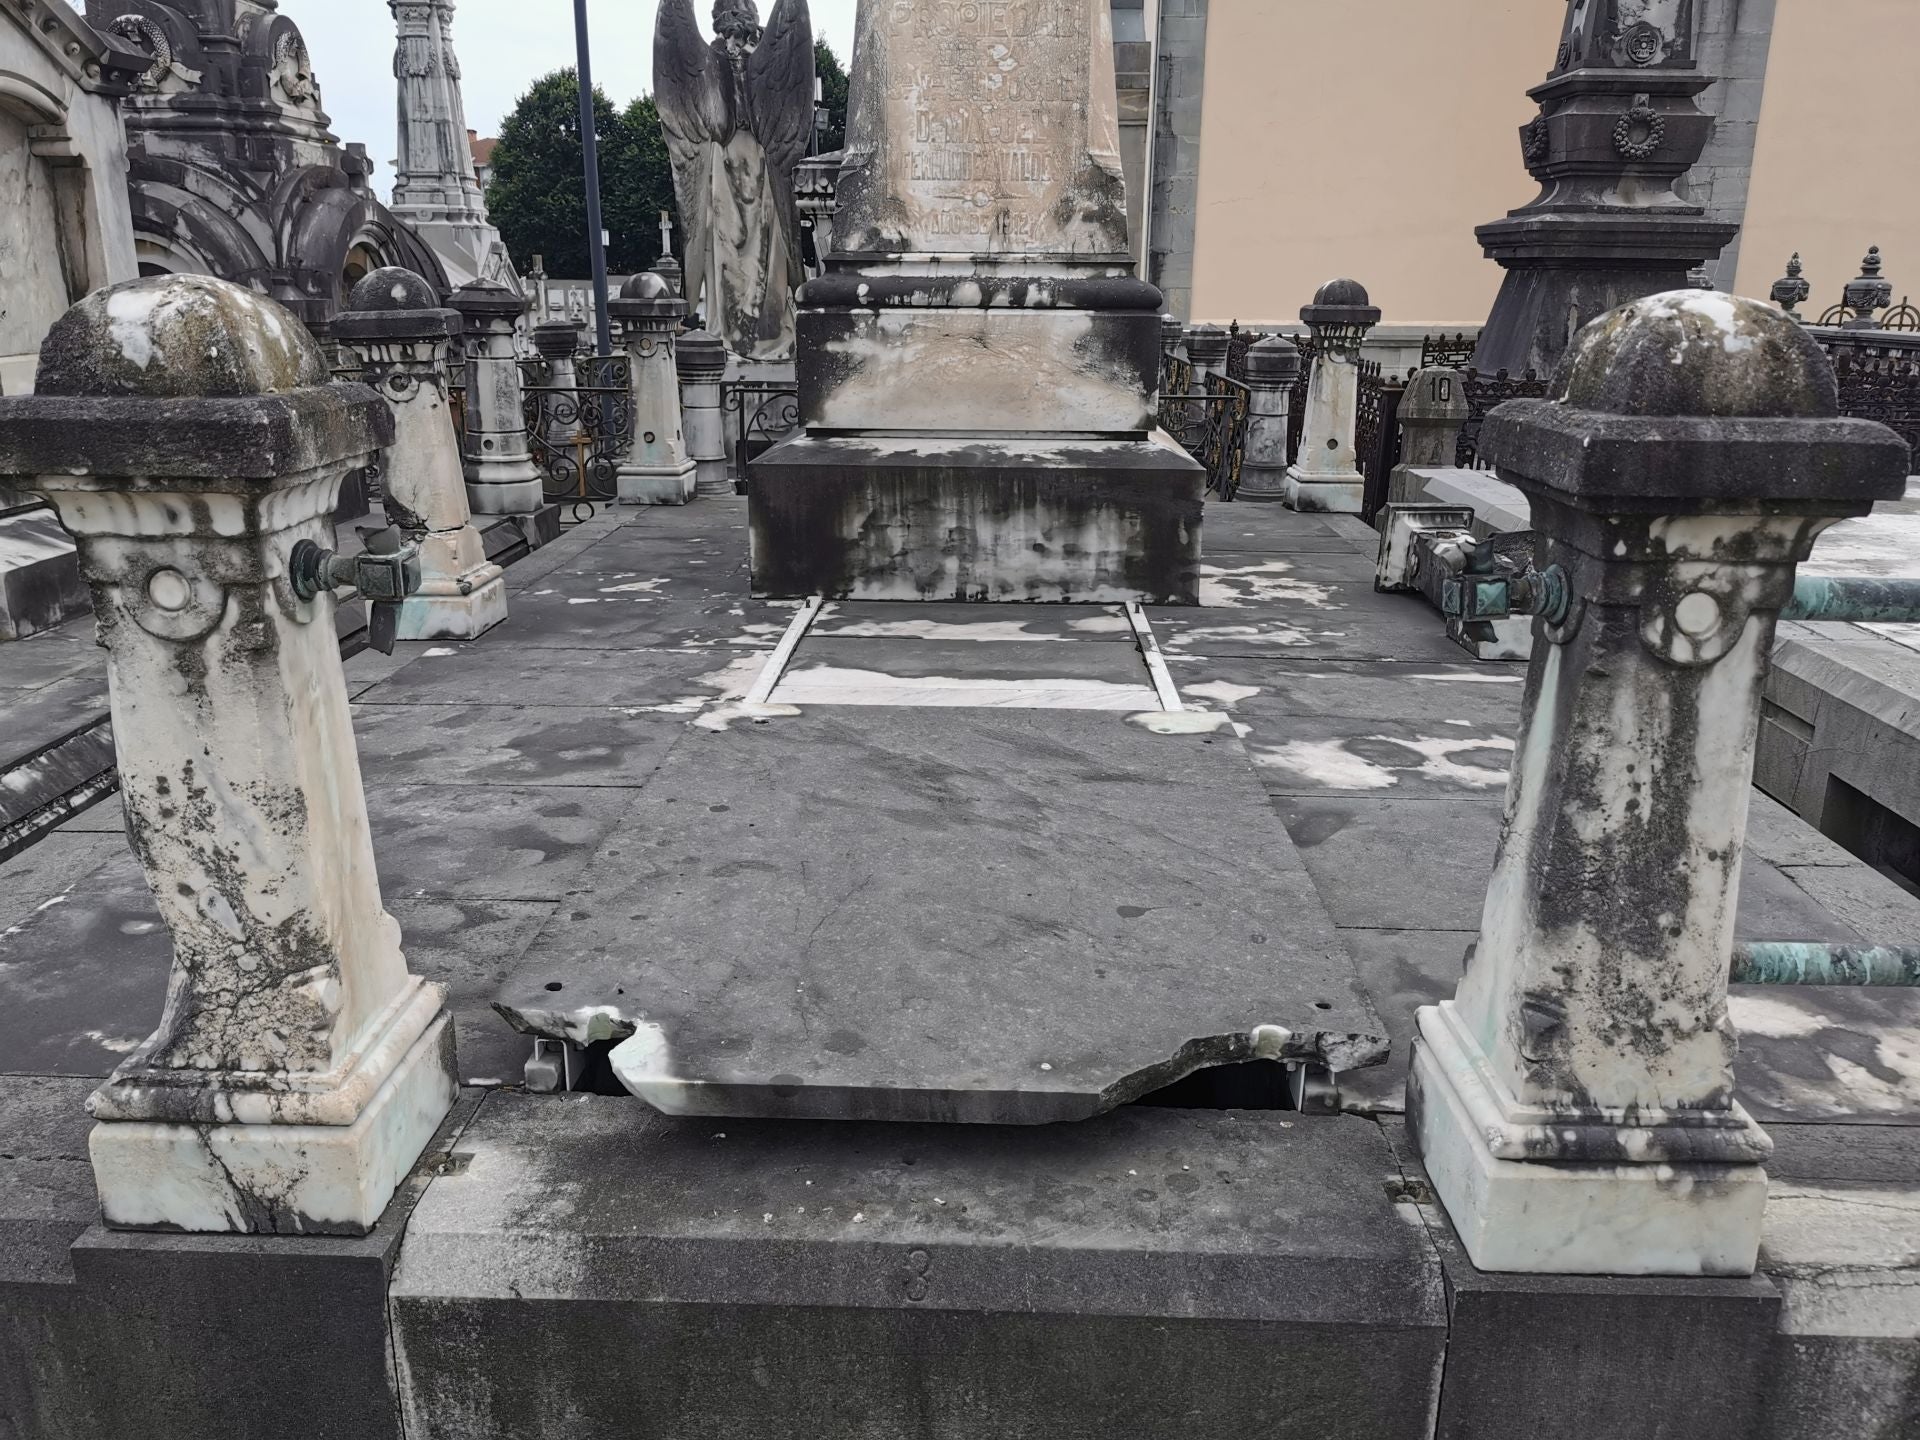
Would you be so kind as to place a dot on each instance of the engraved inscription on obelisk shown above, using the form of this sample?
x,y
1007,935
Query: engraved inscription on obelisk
x,y
985,127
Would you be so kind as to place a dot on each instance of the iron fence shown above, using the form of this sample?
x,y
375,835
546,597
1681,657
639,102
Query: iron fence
x,y
1483,393
578,434
1376,436
1211,424
758,414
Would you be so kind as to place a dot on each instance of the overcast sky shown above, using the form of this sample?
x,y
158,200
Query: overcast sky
x,y
504,46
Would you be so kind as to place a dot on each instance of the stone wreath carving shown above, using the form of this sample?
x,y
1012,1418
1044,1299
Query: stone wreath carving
x,y
293,68
1533,139
1640,116
151,38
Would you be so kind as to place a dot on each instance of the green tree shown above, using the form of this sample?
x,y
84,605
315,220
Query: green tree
x,y
638,184
538,197
833,92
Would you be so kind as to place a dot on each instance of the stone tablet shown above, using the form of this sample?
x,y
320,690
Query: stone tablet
x,y
984,129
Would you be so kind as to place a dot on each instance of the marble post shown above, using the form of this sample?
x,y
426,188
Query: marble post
x,y
557,342
1207,349
1326,473
187,433
1172,335
657,470
701,359
501,476
1273,365
1433,411
1574,1100
397,333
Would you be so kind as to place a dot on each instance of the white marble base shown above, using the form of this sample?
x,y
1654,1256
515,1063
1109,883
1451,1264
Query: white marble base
x,y
657,487
1556,1218
440,611
278,1179
514,497
1326,495
711,478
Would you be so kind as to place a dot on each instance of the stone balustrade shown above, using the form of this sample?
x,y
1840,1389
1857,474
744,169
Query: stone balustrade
x,y
188,436
1574,1100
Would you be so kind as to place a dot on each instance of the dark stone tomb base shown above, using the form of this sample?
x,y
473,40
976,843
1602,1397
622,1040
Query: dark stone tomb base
x,y
958,518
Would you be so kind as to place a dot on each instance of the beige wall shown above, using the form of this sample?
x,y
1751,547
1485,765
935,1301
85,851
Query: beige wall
x,y
1365,138
1837,166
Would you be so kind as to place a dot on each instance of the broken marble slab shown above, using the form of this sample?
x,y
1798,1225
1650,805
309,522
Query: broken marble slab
x,y
1010,917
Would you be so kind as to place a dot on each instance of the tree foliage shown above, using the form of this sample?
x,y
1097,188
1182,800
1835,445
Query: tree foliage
x,y
538,197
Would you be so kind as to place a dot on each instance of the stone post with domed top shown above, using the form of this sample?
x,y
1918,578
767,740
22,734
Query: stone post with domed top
x,y
186,433
1574,1100
398,334
1325,474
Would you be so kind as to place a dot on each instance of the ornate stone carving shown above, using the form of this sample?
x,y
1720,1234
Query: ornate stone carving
x,y
1640,131
148,35
293,70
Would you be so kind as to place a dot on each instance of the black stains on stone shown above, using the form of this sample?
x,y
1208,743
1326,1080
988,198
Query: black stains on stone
x,y
1132,912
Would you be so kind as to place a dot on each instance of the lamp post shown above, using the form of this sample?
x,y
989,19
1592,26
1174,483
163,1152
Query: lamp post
x,y
590,152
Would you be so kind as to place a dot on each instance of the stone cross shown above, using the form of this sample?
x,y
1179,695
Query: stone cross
x,y
657,470
701,358
501,477
1326,473
399,336
1273,365
1574,1100
1433,412
187,434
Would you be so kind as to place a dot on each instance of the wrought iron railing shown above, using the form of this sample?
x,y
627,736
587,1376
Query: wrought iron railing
x,y
1881,388
1376,435
757,414
1483,393
1453,351
579,433
1211,424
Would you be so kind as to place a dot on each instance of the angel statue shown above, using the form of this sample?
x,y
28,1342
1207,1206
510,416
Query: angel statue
x,y
737,114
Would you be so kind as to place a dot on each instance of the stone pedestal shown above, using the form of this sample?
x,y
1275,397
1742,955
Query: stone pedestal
x,y
1433,411
186,431
1273,365
1207,352
978,328
397,334
557,342
501,476
701,362
1574,1101
1325,475
657,470
1618,129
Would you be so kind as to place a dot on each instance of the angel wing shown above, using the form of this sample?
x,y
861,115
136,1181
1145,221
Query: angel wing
x,y
694,94
780,107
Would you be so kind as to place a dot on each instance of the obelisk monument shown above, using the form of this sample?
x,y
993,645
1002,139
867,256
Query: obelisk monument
x,y
978,364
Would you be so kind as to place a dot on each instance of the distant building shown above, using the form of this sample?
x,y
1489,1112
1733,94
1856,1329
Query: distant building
x,y
1296,140
482,151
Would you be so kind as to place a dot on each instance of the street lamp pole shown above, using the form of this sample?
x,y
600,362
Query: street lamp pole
x,y
590,148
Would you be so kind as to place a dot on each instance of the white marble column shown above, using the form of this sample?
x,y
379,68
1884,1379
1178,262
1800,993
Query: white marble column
x,y
396,331
1326,473
557,342
1574,1101
1207,350
186,432
701,359
1273,365
501,476
657,470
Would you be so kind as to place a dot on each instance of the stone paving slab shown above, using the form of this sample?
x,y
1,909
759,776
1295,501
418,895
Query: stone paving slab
x,y
1017,674
570,677
549,745
957,915
58,654
1281,617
